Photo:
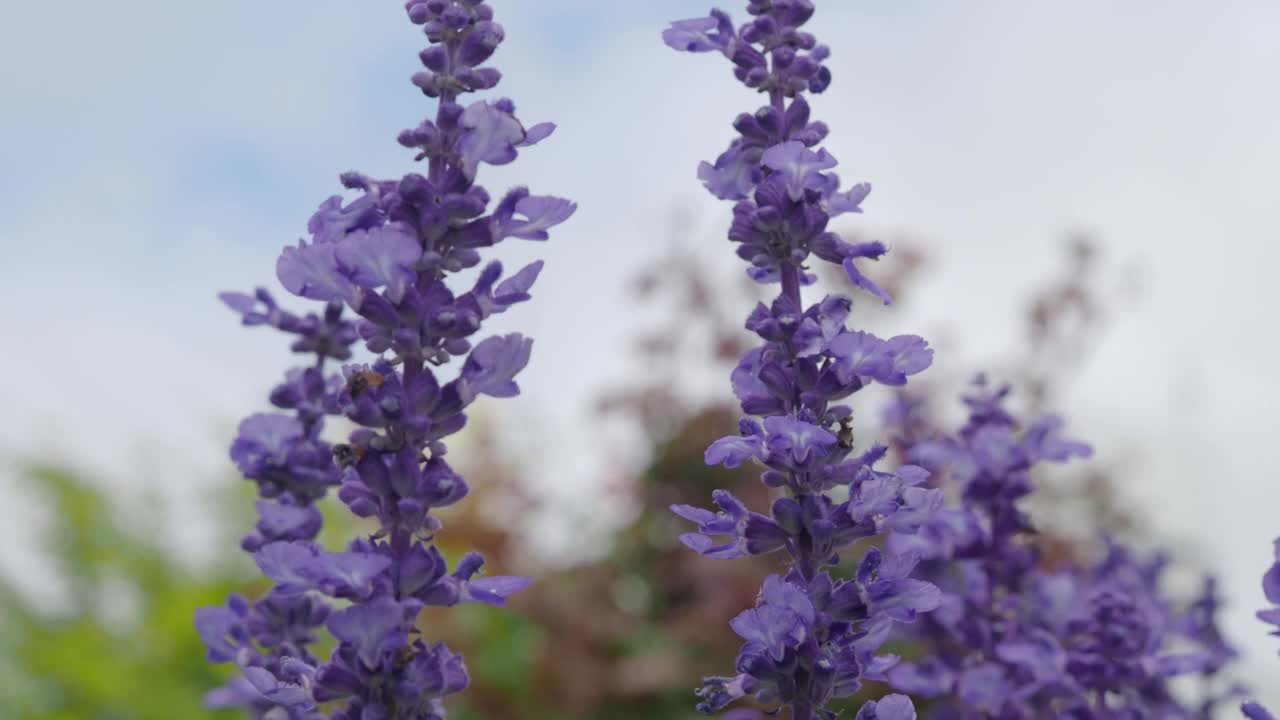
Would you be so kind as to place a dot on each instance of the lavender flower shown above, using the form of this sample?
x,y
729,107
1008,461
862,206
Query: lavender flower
x,y
1013,640
387,256
811,637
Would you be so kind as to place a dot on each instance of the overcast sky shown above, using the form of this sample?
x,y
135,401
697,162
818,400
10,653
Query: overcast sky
x,y
153,153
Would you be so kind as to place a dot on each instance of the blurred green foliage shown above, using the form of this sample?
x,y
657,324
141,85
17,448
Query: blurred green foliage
x,y
121,646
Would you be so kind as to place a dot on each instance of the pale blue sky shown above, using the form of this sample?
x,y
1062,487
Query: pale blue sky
x,y
153,153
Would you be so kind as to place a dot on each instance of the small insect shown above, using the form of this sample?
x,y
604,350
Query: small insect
x,y
347,455
363,380
404,656
845,436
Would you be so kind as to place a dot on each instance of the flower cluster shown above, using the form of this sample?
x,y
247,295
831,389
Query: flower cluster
x,y
386,256
811,637
1013,640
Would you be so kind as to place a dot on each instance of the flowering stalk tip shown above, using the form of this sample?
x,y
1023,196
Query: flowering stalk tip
x,y
383,266
812,637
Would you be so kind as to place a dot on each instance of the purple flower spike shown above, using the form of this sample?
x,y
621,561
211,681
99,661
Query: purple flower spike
x,y
811,638
1093,639
389,255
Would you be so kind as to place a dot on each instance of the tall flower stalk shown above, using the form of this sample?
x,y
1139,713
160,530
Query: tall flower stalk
x,y
388,257
812,637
